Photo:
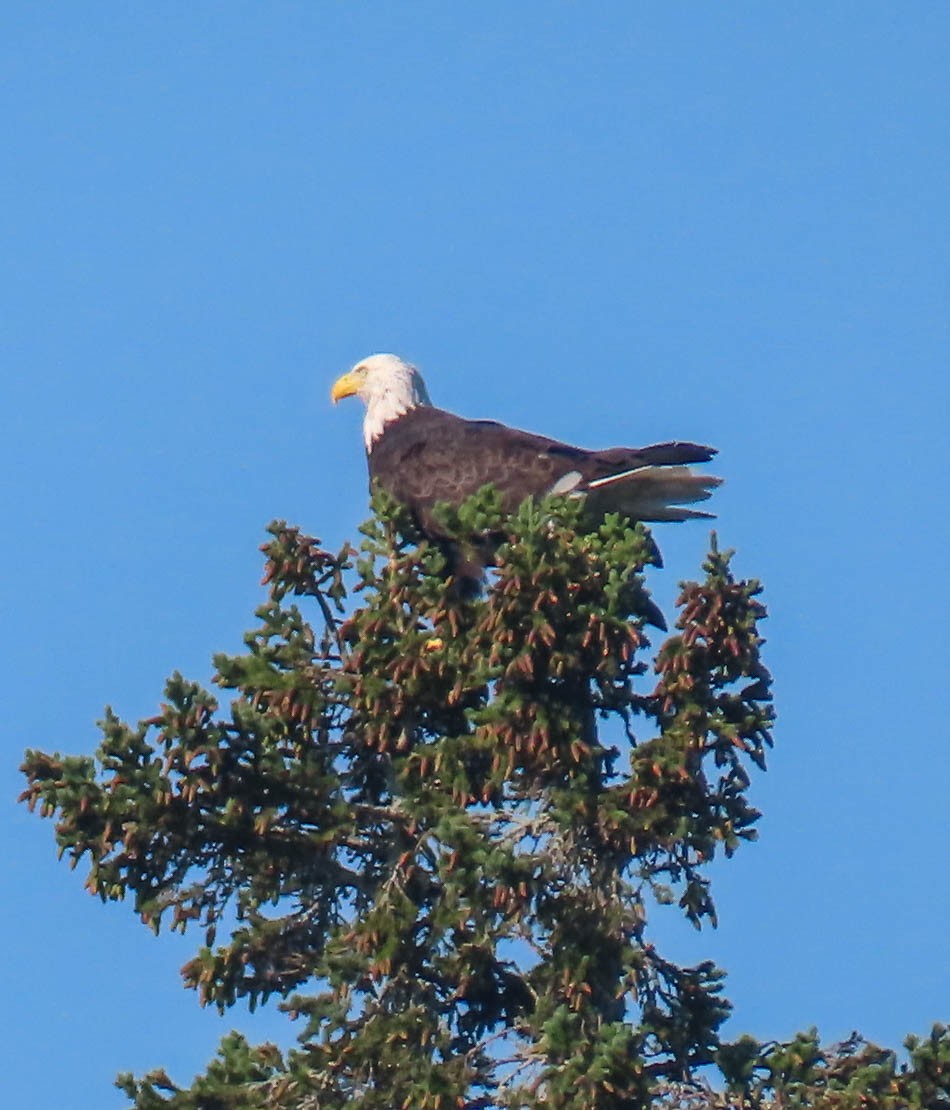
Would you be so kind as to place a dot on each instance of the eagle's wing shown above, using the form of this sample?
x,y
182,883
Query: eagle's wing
x,y
429,455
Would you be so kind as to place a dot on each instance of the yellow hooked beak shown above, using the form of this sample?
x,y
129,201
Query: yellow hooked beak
x,y
345,386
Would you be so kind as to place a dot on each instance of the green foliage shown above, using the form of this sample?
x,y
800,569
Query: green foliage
x,y
853,1075
439,822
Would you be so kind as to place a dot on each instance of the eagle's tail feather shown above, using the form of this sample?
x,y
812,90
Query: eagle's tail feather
x,y
652,493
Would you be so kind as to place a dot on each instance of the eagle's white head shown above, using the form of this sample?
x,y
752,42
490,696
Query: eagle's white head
x,y
387,385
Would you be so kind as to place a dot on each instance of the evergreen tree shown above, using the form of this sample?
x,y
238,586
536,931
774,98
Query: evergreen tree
x,y
440,823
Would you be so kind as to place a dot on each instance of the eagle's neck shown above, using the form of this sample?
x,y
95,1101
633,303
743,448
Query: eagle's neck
x,y
389,404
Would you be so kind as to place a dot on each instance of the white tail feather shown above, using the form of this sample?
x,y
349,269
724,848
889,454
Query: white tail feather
x,y
652,493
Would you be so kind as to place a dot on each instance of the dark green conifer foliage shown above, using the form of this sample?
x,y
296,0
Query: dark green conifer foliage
x,y
439,823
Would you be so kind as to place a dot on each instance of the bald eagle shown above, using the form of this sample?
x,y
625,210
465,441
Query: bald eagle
x,y
422,455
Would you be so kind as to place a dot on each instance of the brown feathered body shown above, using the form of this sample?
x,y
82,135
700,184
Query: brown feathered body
x,y
428,455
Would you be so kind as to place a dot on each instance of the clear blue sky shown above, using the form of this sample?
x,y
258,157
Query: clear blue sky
x,y
615,223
